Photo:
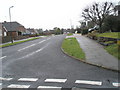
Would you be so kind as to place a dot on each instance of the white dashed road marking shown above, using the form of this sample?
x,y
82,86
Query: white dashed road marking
x,y
26,47
28,79
32,45
88,82
48,38
39,50
3,57
116,84
18,86
30,54
50,87
6,79
56,80
42,41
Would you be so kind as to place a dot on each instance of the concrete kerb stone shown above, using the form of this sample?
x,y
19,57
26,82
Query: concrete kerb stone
x,y
88,62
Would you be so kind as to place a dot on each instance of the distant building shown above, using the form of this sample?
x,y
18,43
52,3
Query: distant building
x,y
32,31
40,31
117,9
52,31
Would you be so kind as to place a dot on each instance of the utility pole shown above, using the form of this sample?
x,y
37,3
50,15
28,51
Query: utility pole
x,y
10,23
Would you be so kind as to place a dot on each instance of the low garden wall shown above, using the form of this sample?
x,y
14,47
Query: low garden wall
x,y
5,39
103,40
8,38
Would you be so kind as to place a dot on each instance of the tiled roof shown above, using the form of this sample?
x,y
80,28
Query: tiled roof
x,y
11,26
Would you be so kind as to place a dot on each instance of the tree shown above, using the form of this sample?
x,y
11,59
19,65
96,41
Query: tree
x,y
97,13
57,30
111,23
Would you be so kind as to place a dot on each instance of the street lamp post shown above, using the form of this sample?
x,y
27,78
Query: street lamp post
x,y
10,23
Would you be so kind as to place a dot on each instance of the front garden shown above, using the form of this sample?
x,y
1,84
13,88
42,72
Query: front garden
x,y
110,41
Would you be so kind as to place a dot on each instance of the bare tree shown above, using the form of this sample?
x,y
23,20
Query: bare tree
x,y
98,12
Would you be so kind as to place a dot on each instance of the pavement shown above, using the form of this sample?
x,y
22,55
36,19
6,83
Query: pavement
x,y
41,64
96,54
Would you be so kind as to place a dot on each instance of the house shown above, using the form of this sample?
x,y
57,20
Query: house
x,y
14,28
3,31
27,32
36,31
32,31
117,9
52,31
40,31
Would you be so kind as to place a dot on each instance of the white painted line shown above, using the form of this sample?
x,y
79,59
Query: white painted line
x,y
116,84
26,47
33,53
3,57
39,50
88,82
18,86
49,87
56,80
42,41
6,79
28,79
48,38
30,54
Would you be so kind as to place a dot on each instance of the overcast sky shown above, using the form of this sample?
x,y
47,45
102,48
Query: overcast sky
x,y
45,14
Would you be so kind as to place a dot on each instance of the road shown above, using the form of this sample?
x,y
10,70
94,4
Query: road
x,y
41,63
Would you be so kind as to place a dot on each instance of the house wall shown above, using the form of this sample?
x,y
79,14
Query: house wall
x,y
4,33
0,32
21,28
13,33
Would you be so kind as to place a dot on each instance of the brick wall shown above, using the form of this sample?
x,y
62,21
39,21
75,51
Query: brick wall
x,y
14,34
21,29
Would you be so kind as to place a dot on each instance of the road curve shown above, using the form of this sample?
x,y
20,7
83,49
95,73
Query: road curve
x,y
41,62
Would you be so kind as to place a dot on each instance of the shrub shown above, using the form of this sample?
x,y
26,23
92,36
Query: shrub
x,y
84,31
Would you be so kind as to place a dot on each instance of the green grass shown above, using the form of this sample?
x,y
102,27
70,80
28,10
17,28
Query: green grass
x,y
71,47
9,44
113,50
108,42
110,34
69,34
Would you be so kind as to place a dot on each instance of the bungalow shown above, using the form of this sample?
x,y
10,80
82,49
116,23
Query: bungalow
x,y
32,31
14,28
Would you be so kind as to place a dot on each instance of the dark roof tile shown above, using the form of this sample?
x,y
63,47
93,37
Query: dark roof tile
x,y
11,26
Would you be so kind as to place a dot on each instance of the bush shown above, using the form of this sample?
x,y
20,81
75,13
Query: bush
x,y
93,35
84,31
111,23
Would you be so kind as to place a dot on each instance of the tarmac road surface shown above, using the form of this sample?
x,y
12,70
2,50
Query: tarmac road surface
x,y
41,64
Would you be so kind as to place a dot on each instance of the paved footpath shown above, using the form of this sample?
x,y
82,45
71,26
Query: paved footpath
x,y
96,54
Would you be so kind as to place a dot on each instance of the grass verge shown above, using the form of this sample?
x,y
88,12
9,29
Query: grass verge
x,y
110,34
71,47
9,44
69,34
113,50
